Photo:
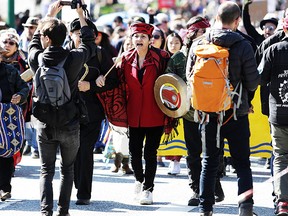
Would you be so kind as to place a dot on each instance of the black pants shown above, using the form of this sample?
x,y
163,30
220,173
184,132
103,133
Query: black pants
x,y
136,142
83,167
6,172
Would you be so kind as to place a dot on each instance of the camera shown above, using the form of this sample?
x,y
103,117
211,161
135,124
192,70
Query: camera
x,y
73,4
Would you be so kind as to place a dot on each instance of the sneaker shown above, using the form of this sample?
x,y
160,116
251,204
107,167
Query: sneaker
x,y
137,190
35,154
4,195
194,200
219,193
206,213
246,209
174,168
281,209
146,198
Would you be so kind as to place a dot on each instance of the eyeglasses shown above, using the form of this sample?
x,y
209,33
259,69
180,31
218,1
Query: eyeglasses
x,y
11,43
269,28
156,36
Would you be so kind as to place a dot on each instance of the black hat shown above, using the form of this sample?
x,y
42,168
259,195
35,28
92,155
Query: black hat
x,y
75,25
268,18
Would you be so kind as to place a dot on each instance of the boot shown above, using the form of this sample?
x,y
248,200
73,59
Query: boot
x,y
125,167
117,162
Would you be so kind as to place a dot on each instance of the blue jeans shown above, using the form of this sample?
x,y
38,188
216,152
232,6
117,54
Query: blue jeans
x,y
31,135
237,133
68,141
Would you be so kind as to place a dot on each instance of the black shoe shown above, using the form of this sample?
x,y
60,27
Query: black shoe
x,y
246,209
219,193
83,202
35,154
66,214
206,213
27,150
194,200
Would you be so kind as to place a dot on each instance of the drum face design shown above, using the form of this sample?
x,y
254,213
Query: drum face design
x,y
170,93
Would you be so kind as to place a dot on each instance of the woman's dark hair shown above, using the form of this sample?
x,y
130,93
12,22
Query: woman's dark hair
x,y
174,34
162,37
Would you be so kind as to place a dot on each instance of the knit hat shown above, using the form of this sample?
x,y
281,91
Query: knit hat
x,y
10,34
75,25
139,27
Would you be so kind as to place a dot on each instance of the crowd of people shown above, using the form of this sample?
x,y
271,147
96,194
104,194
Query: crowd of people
x,y
111,72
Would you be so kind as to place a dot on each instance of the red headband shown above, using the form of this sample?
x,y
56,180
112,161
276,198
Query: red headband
x,y
141,28
199,25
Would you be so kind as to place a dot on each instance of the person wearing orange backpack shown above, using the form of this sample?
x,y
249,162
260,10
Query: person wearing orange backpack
x,y
235,128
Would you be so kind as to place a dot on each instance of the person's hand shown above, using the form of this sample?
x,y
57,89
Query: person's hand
x,y
83,86
16,99
79,9
100,81
151,11
251,110
248,2
54,9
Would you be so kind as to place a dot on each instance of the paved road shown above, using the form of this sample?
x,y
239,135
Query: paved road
x,y
113,193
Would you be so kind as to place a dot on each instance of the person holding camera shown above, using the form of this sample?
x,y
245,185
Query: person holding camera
x,y
47,41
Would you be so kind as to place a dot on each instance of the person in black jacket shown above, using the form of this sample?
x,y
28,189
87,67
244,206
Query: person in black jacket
x,y
268,24
242,69
47,41
274,69
89,131
12,90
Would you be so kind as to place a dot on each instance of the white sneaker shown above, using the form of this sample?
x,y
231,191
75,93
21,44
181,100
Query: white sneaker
x,y
137,190
174,168
146,198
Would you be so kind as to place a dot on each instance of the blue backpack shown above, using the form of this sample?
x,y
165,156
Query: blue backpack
x,y
12,129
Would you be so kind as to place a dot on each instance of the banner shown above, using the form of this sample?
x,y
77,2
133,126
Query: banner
x,y
259,140
166,4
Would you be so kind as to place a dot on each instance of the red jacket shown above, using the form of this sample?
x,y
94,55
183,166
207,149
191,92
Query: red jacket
x,y
142,109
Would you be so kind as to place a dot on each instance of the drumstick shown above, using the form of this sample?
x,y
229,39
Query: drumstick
x,y
118,59
85,73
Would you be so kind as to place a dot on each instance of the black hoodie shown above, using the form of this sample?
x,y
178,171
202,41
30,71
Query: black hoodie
x,y
242,64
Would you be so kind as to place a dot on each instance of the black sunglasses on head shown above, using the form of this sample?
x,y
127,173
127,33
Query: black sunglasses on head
x,y
156,36
12,43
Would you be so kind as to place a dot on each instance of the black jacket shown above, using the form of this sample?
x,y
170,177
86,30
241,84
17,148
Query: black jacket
x,y
242,64
75,58
274,68
99,64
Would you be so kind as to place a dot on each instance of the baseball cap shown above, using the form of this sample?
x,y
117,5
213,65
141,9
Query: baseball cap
x,y
31,21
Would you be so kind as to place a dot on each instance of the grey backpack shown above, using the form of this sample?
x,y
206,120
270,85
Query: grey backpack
x,y
51,85
52,102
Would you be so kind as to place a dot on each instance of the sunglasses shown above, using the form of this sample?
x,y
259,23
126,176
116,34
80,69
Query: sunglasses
x,y
31,27
9,42
269,28
156,36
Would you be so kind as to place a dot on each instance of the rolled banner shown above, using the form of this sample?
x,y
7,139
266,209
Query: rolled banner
x,y
27,75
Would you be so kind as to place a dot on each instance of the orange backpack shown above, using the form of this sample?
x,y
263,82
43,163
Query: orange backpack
x,y
211,89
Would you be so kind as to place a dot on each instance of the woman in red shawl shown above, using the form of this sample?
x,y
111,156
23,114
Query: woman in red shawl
x,y
141,66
